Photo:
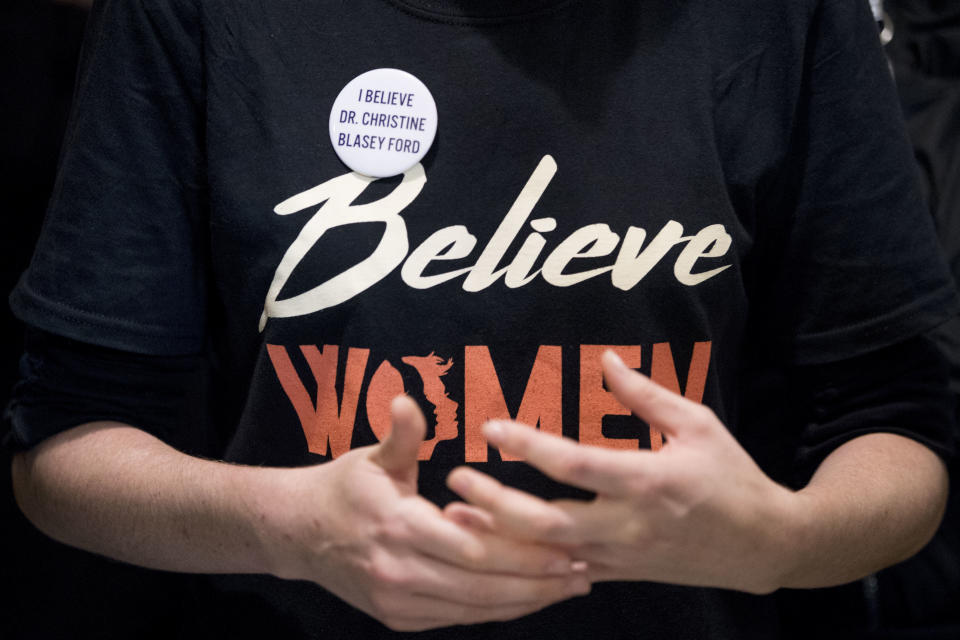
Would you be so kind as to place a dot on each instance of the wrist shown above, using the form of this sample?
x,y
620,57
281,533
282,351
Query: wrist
x,y
794,539
271,504
786,537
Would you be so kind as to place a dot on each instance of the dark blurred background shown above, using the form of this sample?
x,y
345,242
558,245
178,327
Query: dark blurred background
x,y
57,592
53,591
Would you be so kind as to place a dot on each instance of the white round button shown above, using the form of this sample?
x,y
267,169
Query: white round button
x,y
383,122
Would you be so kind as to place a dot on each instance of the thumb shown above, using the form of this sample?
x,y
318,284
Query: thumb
x,y
397,454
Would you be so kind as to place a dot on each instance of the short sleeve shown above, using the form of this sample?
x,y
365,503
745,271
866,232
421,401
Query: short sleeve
x,y
121,259
65,383
898,389
860,267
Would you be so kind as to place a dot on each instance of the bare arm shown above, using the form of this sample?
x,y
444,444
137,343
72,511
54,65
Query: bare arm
x,y
875,501
356,525
120,492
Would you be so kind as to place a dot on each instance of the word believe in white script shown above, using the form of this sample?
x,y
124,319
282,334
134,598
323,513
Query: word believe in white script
x,y
633,262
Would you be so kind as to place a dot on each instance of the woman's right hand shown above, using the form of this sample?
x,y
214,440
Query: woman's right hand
x,y
357,527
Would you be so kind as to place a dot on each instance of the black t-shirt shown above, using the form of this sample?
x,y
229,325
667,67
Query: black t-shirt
x,y
686,182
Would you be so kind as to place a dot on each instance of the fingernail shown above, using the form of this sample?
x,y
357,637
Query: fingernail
x,y
579,587
560,566
493,431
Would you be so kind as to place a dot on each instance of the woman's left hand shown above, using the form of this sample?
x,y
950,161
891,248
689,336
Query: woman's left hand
x,y
697,512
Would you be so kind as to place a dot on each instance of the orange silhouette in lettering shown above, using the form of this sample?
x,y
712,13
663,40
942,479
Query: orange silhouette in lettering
x,y
431,370
387,383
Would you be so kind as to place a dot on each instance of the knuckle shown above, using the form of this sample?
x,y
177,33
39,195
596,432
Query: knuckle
x,y
573,466
475,555
392,529
387,575
547,525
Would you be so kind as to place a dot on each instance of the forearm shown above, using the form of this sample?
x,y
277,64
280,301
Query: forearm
x,y
873,502
118,491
